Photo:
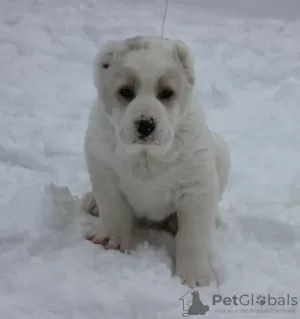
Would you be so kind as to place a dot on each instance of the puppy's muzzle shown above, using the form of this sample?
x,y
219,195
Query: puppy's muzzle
x,y
145,127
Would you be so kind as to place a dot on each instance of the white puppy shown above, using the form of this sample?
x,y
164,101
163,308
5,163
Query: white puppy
x,y
149,152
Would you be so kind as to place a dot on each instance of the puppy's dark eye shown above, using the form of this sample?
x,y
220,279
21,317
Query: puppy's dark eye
x,y
127,93
165,94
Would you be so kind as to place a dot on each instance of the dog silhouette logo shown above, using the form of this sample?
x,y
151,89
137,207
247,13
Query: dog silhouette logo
x,y
192,304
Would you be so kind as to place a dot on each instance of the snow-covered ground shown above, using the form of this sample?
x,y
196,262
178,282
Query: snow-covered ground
x,y
248,70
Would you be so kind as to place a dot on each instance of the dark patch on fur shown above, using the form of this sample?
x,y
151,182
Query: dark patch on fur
x,y
136,43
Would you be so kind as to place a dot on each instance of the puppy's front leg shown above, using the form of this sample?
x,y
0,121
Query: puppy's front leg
x,y
196,210
114,226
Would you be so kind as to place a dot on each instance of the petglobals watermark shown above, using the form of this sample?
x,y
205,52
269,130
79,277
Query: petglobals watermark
x,y
255,303
195,304
254,300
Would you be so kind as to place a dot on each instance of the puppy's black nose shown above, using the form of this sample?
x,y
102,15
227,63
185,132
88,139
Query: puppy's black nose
x,y
145,127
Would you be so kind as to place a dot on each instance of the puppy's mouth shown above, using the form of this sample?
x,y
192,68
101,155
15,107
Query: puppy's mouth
x,y
149,140
155,144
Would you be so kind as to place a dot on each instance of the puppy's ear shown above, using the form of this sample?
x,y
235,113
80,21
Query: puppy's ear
x,y
103,60
183,57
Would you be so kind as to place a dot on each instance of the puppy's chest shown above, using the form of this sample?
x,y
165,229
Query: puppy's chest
x,y
147,186
149,199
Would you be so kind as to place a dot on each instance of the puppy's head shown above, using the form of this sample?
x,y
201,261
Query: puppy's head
x,y
144,84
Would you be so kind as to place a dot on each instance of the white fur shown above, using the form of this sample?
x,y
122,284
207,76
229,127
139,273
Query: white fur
x,y
183,168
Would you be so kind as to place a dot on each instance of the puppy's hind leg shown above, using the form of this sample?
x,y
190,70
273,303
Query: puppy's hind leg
x,y
89,204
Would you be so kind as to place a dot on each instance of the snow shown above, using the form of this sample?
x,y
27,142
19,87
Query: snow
x,y
248,71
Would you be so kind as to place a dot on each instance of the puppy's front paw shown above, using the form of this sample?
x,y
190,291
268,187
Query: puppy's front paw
x,y
111,242
195,275
110,237
110,233
113,227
